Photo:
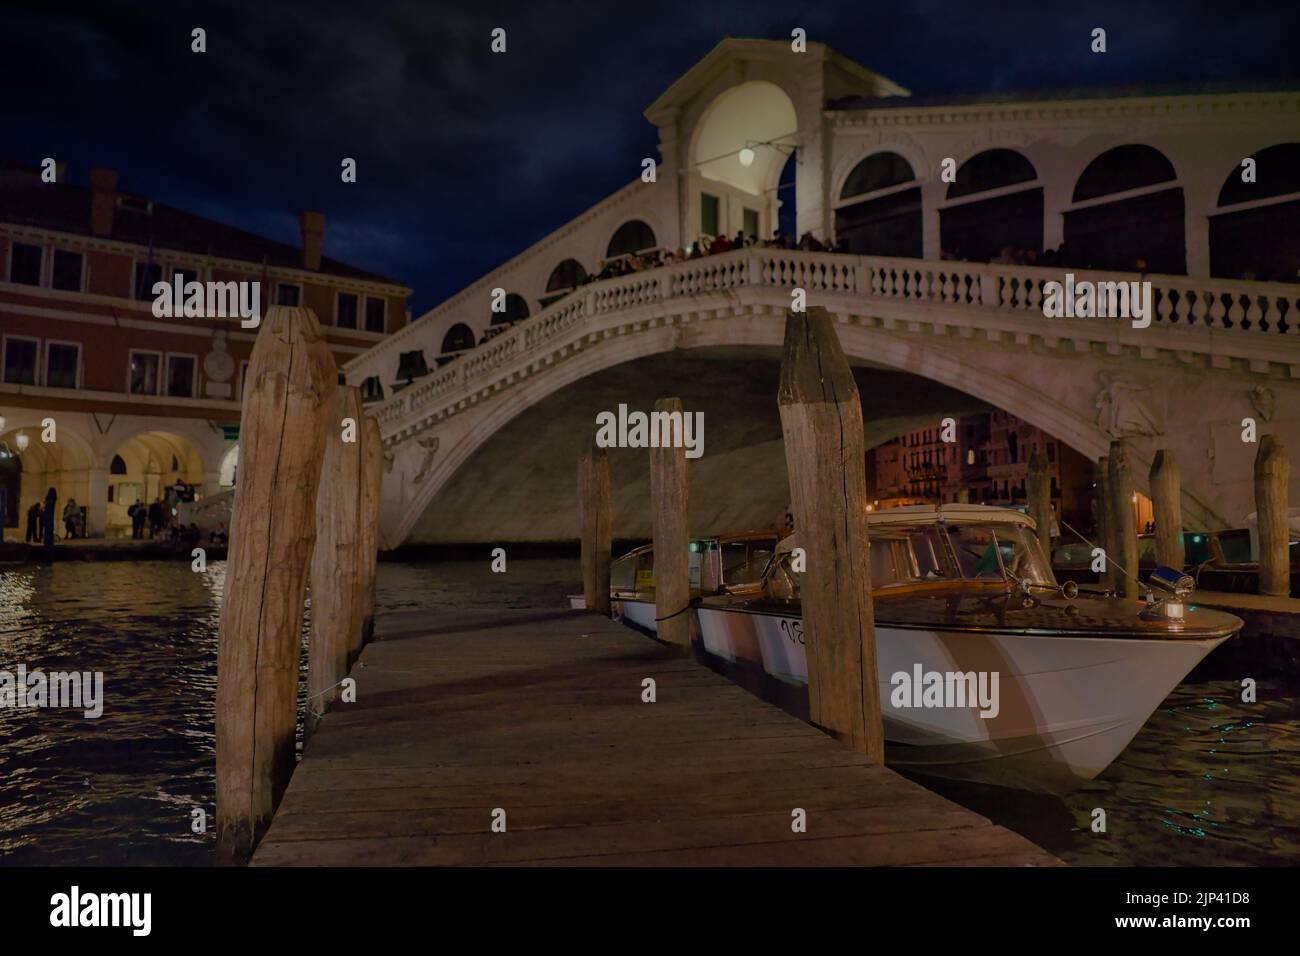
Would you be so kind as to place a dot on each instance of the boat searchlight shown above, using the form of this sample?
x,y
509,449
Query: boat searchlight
x,y
1168,589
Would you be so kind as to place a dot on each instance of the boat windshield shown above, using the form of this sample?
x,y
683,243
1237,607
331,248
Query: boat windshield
x,y
922,554
988,552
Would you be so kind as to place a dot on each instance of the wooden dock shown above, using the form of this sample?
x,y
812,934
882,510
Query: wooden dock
x,y
540,714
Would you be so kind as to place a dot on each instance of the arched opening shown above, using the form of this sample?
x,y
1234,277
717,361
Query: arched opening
x,y
162,468
1140,232
29,467
516,310
11,490
993,210
740,147
228,474
879,213
1255,232
631,238
564,278
118,467
459,338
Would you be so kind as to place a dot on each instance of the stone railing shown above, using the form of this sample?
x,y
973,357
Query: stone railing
x,y
1257,311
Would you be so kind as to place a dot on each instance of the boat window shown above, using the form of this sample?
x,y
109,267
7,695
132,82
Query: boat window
x,y
743,562
1235,546
1022,554
622,573
977,551
781,583
645,570
1196,548
927,563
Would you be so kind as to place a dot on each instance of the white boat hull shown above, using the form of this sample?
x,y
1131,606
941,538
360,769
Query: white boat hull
x,y
1067,705
640,613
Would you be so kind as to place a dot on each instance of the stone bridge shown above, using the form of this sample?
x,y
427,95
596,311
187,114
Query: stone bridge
x,y
484,448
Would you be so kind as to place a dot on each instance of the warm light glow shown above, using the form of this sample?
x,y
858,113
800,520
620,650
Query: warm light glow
x,y
870,508
746,156
1135,497
2,424
21,441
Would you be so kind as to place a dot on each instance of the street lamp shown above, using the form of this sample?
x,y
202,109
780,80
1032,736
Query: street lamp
x,y
746,156
21,441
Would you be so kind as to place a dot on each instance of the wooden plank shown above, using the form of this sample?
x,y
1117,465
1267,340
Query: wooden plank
x,y
446,728
596,522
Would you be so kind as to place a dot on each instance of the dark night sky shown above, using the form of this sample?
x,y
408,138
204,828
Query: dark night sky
x,y
465,157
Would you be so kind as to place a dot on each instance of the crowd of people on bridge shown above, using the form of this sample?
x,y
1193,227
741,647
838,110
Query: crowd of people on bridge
x,y
629,263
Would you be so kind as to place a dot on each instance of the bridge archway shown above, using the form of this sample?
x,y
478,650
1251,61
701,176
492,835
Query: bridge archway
x,y
738,150
155,461
564,278
879,208
1128,210
1255,231
634,236
996,203
758,339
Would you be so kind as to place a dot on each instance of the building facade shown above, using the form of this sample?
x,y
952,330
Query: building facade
x,y
101,399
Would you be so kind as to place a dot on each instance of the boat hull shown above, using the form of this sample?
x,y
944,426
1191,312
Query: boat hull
x,y
1067,706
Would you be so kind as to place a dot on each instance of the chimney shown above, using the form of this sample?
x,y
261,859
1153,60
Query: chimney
x,y
312,225
103,199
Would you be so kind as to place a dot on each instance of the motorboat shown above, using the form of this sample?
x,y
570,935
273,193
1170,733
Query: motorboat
x,y
988,669
718,564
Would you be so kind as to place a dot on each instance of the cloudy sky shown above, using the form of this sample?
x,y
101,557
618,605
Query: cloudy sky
x,y
465,157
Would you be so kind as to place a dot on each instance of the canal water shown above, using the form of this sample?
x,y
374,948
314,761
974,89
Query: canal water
x,y
1208,781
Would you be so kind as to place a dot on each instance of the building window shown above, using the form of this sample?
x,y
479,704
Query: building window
x,y
118,467
376,310
187,275
20,360
143,375
62,361
180,376
66,273
25,263
147,275
288,294
708,214
345,311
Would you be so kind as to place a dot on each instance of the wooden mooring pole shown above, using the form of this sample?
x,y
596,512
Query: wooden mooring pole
x,y
1272,474
336,560
821,419
1123,521
668,503
288,405
596,520
1104,523
372,486
1167,503
1039,490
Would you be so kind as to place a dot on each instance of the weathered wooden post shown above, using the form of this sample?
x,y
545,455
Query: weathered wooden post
x,y
1272,474
372,485
668,502
288,405
1105,541
335,562
1039,489
596,518
821,418
1123,520
1166,502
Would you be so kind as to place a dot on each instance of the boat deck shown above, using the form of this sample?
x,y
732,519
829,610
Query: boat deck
x,y
540,714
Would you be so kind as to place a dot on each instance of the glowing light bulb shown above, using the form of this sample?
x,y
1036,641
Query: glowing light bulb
x,y
21,441
746,156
